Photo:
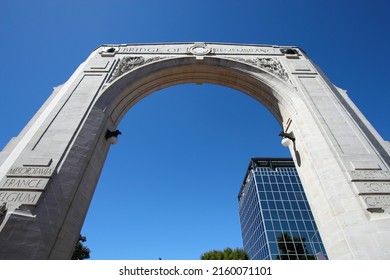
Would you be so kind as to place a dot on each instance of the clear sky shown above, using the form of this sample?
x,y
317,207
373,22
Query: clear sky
x,y
169,188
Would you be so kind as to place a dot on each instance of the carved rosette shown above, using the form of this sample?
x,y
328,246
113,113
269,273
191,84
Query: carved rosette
x,y
269,64
128,63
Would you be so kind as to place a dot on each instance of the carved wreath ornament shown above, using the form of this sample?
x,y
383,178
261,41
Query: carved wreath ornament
x,y
128,63
267,63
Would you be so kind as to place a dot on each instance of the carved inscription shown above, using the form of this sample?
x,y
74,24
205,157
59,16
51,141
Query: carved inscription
x,y
25,171
373,187
16,197
186,50
377,201
375,194
226,50
145,50
370,175
24,184
14,183
128,63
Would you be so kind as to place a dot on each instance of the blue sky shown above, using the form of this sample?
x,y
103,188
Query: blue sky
x,y
171,183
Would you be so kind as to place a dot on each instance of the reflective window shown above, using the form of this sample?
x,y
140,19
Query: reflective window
x,y
286,225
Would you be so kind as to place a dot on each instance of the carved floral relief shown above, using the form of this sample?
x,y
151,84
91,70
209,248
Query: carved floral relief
x,y
269,64
128,63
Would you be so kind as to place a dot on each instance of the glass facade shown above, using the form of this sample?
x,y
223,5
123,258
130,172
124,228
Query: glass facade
x,y
276,221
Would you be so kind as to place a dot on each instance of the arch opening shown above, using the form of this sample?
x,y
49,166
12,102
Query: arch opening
x,y
211,132
128,89
125,91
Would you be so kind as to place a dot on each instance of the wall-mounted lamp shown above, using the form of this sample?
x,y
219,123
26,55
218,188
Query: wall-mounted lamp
x,y
288,138
112,136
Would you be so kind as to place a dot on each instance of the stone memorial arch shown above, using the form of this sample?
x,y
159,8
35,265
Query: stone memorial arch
x,y
48,173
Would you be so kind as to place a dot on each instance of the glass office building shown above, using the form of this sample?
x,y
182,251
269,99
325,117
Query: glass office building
x,y
276,220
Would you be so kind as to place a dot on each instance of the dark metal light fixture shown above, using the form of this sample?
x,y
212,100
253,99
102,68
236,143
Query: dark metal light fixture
x,y
289,135
112,136
289,51
288,138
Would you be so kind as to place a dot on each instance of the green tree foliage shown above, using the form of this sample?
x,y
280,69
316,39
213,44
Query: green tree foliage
x,y
81,252
227,254
293,248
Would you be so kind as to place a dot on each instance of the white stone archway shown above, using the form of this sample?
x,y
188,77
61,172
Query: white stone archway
x,y
49,172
